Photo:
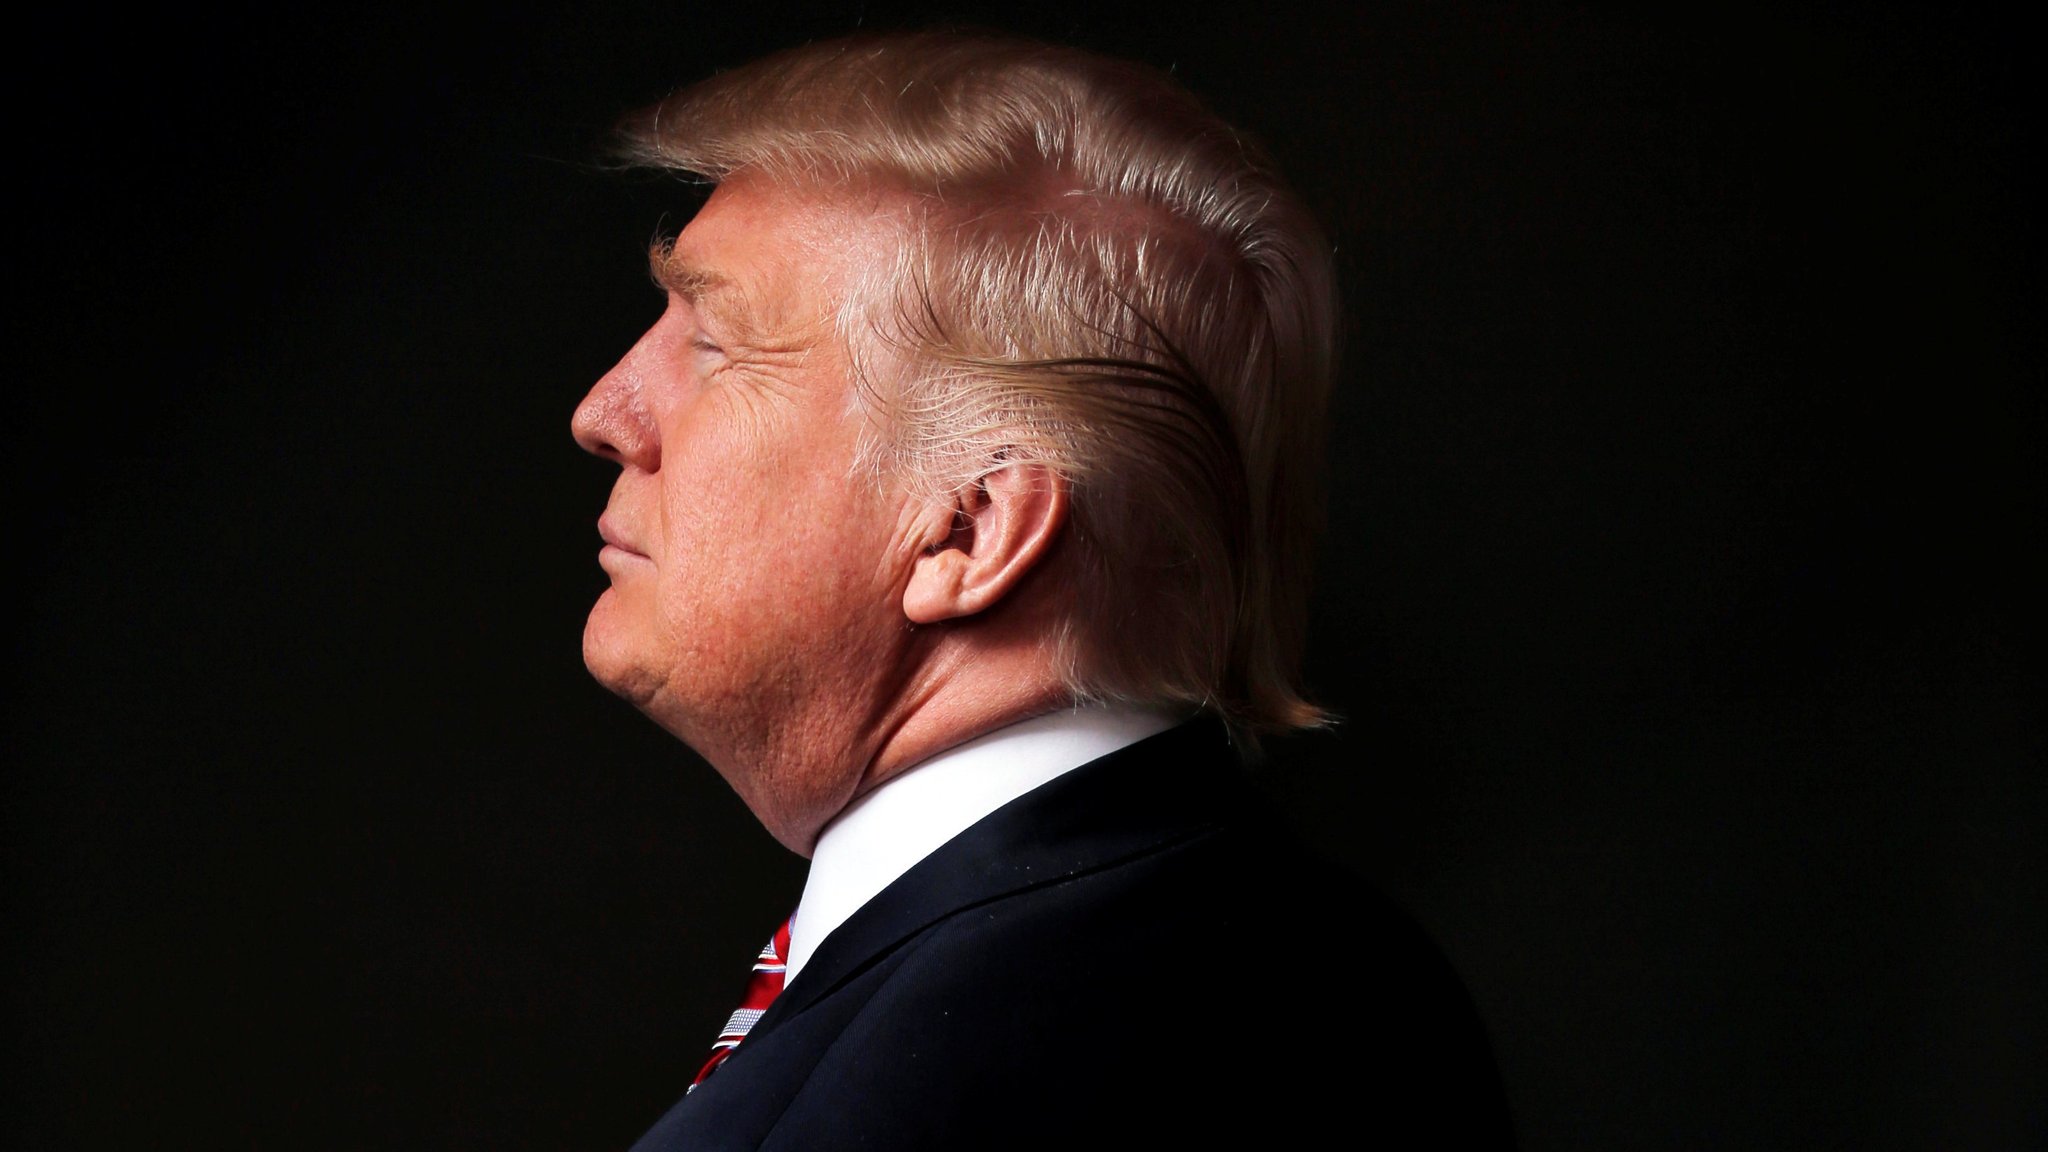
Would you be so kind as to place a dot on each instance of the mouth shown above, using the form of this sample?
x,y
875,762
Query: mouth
x,y
614,542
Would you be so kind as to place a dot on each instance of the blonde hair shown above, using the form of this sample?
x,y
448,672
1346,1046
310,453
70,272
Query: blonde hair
x,y
1100,277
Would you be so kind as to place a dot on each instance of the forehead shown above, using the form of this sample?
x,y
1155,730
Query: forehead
x,y
776,254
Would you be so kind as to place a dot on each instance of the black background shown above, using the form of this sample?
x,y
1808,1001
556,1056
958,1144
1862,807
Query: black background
x,y
1685,499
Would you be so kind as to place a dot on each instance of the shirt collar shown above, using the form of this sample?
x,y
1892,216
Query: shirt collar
x,y
881,835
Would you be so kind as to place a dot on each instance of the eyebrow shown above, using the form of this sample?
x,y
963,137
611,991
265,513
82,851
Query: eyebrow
x,y
702,287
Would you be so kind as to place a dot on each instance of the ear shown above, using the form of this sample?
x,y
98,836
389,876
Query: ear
x,y
999,528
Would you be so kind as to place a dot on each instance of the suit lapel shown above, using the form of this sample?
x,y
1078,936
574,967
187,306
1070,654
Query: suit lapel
x,y
1134,801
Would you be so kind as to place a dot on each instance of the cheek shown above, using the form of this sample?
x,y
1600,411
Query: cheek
x,y
765,531
734,539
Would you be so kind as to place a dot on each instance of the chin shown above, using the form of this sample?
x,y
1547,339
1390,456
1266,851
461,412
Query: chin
x,y
604,652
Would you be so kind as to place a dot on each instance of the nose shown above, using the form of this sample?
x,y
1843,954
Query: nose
x,y
613,422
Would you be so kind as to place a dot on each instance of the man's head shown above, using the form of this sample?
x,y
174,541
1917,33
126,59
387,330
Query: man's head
x,y
1034,354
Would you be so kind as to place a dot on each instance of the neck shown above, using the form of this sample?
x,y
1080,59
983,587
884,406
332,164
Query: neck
x,y
956,685
970,700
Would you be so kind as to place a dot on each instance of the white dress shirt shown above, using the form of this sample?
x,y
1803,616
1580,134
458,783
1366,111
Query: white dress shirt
x,y
882,834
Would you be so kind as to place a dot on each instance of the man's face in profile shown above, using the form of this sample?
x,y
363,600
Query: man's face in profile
x,y
750,566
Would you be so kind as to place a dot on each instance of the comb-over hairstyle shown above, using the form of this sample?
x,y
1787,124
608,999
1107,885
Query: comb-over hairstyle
x,y
1098,276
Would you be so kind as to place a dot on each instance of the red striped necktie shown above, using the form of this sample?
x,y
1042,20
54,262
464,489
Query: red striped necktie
x,y
761,989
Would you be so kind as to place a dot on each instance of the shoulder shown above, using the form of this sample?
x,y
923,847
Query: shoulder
x,y
1227,980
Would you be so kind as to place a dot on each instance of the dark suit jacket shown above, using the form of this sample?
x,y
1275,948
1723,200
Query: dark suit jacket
x,y
1133,952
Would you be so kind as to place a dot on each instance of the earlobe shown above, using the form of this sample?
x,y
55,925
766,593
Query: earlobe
x,y
993,532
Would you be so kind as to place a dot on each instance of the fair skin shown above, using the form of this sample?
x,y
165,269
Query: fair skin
x,y
809,628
